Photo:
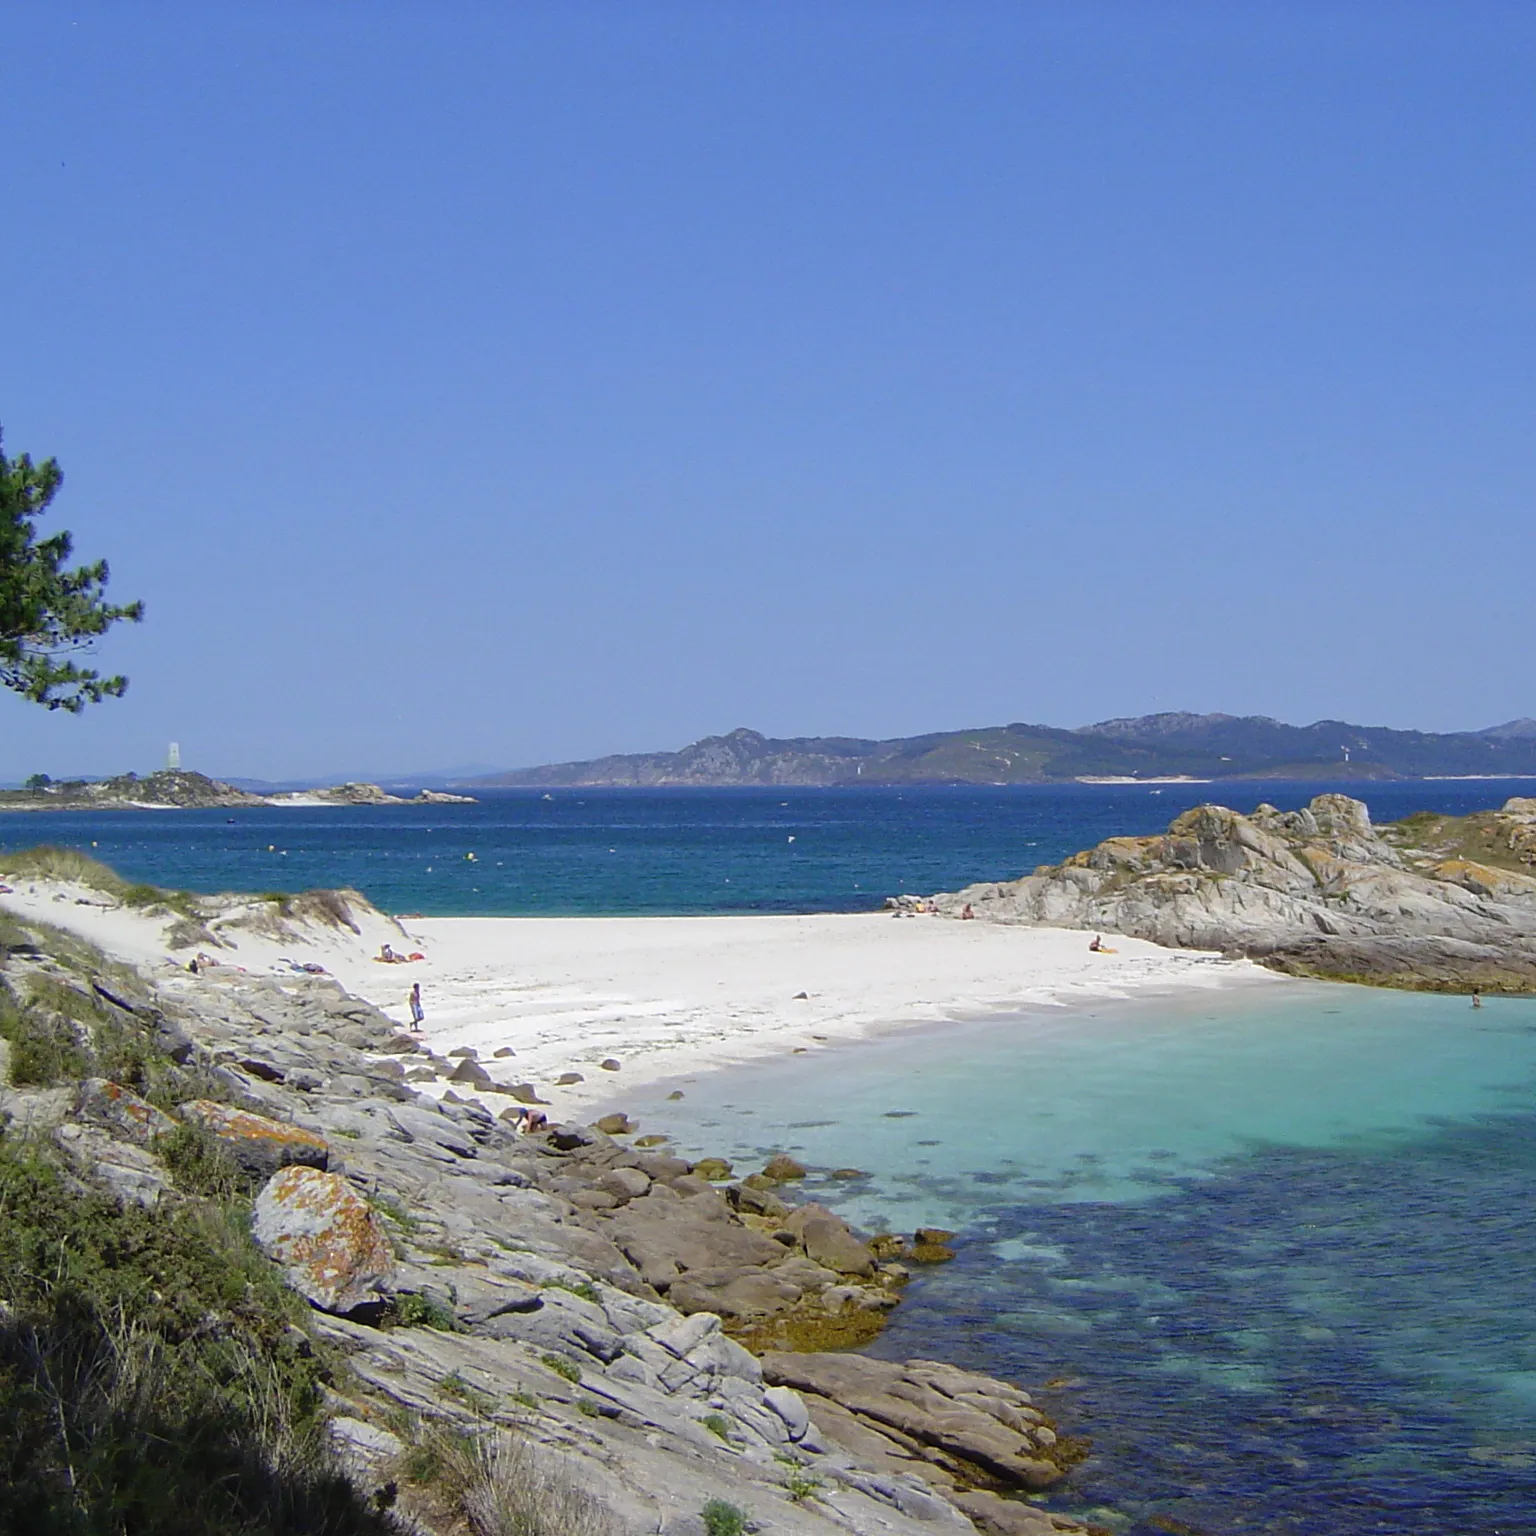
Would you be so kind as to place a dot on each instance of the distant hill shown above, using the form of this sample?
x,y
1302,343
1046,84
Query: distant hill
x,y
1147,747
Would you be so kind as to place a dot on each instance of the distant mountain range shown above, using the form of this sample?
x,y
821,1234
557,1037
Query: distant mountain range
x,y
1147,747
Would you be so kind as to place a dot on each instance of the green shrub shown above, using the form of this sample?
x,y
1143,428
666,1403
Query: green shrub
x,y
800,1483
722,1519
567,1369
413,1311
45,1048
583,1288
58,996
153,1376
717,1424
199,1164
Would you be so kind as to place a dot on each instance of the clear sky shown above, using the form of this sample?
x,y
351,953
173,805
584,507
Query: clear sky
x,y
501,383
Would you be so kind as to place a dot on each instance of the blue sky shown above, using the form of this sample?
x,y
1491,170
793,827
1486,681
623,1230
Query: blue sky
x,y
497,383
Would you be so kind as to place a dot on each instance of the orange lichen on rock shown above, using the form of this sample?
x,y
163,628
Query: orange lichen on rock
x,y
258,1144
333,1247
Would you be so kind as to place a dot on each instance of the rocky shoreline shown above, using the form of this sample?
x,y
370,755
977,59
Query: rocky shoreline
x,y
589,1298
1433,903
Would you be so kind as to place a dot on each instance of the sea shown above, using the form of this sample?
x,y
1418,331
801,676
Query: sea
x,y
1269,1252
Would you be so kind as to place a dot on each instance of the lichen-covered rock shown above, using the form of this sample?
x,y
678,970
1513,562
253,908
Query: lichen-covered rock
x,y
1318,891
120,1112
260,1146
332,1246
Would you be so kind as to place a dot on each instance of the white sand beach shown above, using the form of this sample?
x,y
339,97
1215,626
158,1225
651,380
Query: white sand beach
x,y
665,996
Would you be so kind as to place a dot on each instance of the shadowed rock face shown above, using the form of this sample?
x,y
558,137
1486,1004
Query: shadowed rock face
x,y
1316,892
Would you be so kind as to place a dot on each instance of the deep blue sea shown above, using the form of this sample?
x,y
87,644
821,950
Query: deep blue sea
x,y
666,851
1273,1249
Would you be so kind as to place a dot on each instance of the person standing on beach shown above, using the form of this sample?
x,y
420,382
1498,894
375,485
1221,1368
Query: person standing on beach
x,y
418,1013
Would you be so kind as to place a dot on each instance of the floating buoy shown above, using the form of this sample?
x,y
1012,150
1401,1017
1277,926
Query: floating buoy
x,y
469,858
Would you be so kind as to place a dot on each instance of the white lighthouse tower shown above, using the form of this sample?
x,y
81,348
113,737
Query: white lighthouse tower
x,y
173,757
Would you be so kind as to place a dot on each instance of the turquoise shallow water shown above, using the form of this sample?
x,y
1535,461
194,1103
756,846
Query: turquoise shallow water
x,y
1276,1243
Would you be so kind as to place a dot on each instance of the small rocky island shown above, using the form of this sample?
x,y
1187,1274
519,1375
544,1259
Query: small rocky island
x,y
179,789
1431,903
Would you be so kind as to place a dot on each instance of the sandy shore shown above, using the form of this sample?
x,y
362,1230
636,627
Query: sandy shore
x,y
664,996
668,995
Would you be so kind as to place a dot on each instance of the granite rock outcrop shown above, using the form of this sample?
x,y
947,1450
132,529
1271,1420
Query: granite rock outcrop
x,y
1433,904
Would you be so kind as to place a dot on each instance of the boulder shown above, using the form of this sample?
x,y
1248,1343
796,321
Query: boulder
x,y
790,1407
1002,1517
469,1071
130,1172
828,1242
333,1248
260,1146
881,1391
744,1292
624,1183
615,1125
782,1169
757,1202
120,1113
